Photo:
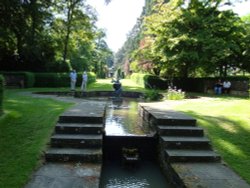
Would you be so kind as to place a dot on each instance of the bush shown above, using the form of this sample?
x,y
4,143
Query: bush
x,y
155,82
174,94
59,79
1,94
149,81
138,79
21,79
152,95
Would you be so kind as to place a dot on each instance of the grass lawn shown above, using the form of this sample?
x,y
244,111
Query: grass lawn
x,y
25,129
28,122
226,121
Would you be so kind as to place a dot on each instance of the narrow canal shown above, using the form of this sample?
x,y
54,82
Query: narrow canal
x,y
124,129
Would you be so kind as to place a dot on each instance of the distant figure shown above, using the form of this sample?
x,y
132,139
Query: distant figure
x,y
84,81
218,87
226,86
117,87
73,78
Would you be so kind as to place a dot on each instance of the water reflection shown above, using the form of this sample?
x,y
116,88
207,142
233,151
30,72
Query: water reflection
x,y
148,175
122,118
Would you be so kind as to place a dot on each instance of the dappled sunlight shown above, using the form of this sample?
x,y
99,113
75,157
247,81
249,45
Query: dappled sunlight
x,y
230,148
229,127
18,101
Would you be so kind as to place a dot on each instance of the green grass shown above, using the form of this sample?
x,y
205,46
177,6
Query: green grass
x,y
25,129
28,122
107,85
226,121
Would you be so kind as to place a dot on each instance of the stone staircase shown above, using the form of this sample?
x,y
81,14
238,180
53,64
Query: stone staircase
x,y
76,139
183,141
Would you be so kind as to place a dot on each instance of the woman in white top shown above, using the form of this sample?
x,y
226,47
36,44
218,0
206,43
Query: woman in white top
x,y
226,86
84,81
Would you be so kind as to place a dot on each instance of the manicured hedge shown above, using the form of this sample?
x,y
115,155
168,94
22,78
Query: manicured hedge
x,y
1,94
149,81
138,79
59,79
19,79
239,83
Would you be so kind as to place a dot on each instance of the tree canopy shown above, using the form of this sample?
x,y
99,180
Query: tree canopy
x,y
54,36
191,39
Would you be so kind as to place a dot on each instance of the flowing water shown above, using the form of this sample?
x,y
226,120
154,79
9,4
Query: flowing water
x,y
122,118
147,175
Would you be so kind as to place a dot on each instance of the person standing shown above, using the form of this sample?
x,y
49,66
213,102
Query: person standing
x,y
218,87
73,78
226,86
84,81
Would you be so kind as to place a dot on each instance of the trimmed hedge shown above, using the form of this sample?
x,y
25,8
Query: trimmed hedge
x,y
1,94
207,83
149,81
59,79
19,79
239,83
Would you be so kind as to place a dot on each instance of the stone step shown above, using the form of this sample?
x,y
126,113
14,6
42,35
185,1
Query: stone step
x,y
80,119
173,121
191,156
87,112
76,140
177,142
173,118
79,128
180,131
73,155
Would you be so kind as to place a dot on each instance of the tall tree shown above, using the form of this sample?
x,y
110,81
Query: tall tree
x,y
194,36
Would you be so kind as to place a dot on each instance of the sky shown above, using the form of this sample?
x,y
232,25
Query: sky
x,y
119,16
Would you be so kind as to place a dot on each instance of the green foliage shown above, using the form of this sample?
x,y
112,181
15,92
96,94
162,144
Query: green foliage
x,y
59,79
50,36
195,36
178,39
1,94
174,94
27,78
155,82
138,79
149,81
152,95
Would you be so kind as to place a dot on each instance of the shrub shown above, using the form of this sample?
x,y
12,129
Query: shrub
x,y
152,95
21,79
149,81
174,94
1,94
138,79
155,82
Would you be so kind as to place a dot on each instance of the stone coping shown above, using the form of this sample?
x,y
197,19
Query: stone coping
x,y
79,94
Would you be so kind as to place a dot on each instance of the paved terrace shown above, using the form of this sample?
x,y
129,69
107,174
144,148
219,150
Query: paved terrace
x,y
186,154
74,158
185,171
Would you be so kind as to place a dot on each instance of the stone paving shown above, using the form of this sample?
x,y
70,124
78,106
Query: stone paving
x,y
76,168
87,175
193,164
66,175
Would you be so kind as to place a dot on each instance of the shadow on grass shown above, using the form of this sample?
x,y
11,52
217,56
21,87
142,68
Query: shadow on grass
x,y
230,138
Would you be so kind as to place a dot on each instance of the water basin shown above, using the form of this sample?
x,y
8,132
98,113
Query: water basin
x,y
147,175
122,118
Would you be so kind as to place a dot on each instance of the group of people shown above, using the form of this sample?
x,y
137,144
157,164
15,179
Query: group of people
x,y
73,79
222,87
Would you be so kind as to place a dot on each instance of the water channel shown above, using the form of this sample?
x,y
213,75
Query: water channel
x,y
123,121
